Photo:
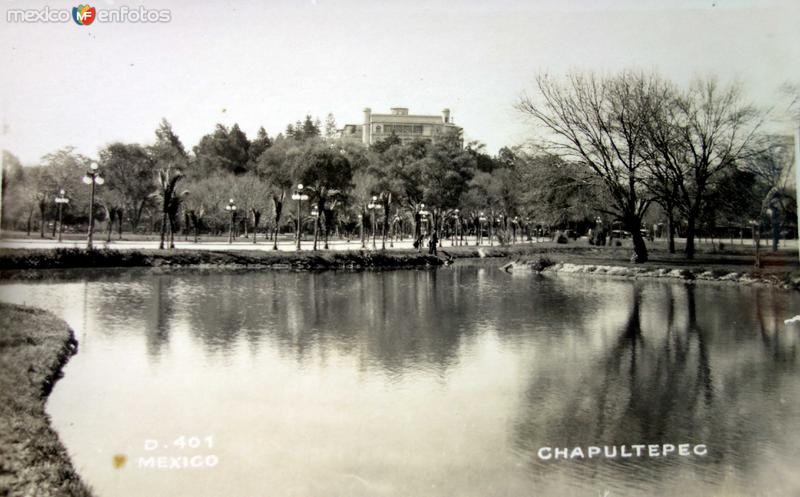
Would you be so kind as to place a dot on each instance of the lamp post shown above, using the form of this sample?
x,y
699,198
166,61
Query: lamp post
x,y
61,200
423,215
514,228
299,196
231,207
457,225
314,216
479,237
93,178
374,206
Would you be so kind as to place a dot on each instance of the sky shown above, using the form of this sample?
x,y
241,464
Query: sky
x,y
269,63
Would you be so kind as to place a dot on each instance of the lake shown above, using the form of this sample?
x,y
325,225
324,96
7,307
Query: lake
x,y
450,382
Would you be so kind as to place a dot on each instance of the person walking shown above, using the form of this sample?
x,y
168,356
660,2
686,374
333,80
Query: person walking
x,y
432,244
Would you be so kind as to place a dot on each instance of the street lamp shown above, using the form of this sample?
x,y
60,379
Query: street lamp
x,y
514,228
457,223
61,200
93,178
231,207
374,206
481,219
314,216
299,196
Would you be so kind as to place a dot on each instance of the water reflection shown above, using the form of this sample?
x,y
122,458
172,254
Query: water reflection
x,y
671,373
441,382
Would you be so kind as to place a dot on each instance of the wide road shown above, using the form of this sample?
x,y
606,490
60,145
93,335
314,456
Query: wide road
x,y
288,245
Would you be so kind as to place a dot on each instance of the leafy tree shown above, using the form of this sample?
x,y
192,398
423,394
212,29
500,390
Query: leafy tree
x,y
483,161
62,169
13,176
555,192
304,130
223,150
447,170
129,170
384,145
327,173
331,130
257,147
168,147
275,170
252,197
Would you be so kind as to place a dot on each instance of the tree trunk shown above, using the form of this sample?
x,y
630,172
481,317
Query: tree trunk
x,y
328,223
256,219
757,243
41,220
671,232
634,225
316,231
776,228
110,226
690,235
278,209
163,229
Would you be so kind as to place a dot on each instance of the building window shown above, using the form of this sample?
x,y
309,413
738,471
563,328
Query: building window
x,y
378,128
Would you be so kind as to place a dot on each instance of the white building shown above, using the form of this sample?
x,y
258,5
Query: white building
x,y
408,127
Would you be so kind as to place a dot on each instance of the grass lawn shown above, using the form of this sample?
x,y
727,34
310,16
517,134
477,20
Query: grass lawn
x,y
34,345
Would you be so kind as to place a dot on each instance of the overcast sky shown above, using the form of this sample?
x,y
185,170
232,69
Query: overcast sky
x,y
268,63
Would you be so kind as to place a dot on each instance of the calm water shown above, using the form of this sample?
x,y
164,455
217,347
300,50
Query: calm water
x,y
422,383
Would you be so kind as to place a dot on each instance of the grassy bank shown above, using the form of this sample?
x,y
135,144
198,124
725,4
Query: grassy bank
x,y
62,258
780,270
734,264
34,346
780,266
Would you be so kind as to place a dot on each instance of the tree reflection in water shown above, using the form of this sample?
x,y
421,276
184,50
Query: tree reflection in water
x,y
660,381
482,367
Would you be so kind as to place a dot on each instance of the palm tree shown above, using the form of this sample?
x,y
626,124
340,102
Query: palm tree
x,y
173,209
168,178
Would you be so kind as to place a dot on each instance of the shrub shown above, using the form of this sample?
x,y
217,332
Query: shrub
x,y
541,263
561,238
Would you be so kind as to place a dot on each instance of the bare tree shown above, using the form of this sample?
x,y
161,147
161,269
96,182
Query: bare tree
x,y
770,165
601,123
698,136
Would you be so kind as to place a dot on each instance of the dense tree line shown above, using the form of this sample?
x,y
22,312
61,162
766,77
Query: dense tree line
x,y
626,151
